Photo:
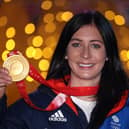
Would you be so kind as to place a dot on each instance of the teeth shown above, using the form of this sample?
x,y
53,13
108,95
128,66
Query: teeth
x,y
85,65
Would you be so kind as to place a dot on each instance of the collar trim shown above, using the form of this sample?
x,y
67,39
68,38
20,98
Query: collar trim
x,y
120,104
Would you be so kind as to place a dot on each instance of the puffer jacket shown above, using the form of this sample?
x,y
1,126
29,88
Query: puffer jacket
x,y
21,116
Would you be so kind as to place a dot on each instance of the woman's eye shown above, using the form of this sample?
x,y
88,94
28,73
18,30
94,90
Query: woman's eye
x,y
96,45
75,44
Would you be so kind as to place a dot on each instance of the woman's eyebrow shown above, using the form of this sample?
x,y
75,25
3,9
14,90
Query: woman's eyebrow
x,y
75,39
101,41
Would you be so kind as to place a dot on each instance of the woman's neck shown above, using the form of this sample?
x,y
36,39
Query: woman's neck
x,y
88,98
77,82
82,83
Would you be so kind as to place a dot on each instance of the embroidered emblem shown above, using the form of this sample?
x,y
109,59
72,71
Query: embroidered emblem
x,y
115,122
115,119
58,116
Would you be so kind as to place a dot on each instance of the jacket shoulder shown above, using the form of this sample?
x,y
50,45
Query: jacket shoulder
x,y
40,98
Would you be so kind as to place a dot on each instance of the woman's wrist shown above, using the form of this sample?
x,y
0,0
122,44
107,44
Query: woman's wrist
x,y
2,91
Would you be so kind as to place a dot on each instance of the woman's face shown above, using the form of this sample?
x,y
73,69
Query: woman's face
x,y
86,54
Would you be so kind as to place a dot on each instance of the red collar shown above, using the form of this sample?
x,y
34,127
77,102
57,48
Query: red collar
x,y
116,108
120,104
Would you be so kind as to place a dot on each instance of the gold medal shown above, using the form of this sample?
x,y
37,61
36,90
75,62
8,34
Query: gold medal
x,y
17,66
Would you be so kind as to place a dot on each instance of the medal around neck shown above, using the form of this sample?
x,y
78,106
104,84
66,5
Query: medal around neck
x,y
17,66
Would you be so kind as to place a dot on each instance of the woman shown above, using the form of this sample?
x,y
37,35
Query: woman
x,y
86,57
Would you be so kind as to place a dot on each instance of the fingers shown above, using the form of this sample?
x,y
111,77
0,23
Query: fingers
x,y
5,79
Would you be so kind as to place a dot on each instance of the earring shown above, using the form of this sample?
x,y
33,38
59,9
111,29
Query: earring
x,y
66,57
106,59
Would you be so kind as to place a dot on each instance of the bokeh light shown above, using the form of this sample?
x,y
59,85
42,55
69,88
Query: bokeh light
x,y
6,1
66,16
29,79
44,74
47,52
123,55
37,41
44,65
4,55
3,20
29,28
49,17
10,44
119,20
38,53
30,52
50,27
46,5
10,32
51,41
59,16
110,14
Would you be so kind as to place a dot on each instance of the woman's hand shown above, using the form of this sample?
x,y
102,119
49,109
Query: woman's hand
x,y
5,80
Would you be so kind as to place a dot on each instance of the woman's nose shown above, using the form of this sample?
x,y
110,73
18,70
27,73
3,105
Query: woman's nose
x,y
85,53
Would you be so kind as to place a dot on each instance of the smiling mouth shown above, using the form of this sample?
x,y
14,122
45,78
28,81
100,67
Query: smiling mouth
x,y
86,65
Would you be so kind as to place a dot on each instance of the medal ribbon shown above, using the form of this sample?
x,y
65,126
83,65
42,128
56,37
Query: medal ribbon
x,y
58,85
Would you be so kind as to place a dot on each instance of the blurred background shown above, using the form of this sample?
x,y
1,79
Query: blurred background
x,y
33,28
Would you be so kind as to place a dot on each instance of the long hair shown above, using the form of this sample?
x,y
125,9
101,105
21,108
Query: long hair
x,y
113,79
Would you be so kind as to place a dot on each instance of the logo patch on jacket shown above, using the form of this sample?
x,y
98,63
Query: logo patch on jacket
x,y
58,116
115,122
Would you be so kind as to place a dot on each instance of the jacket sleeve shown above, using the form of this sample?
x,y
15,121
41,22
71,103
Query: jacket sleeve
x,y
3,108
7,119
